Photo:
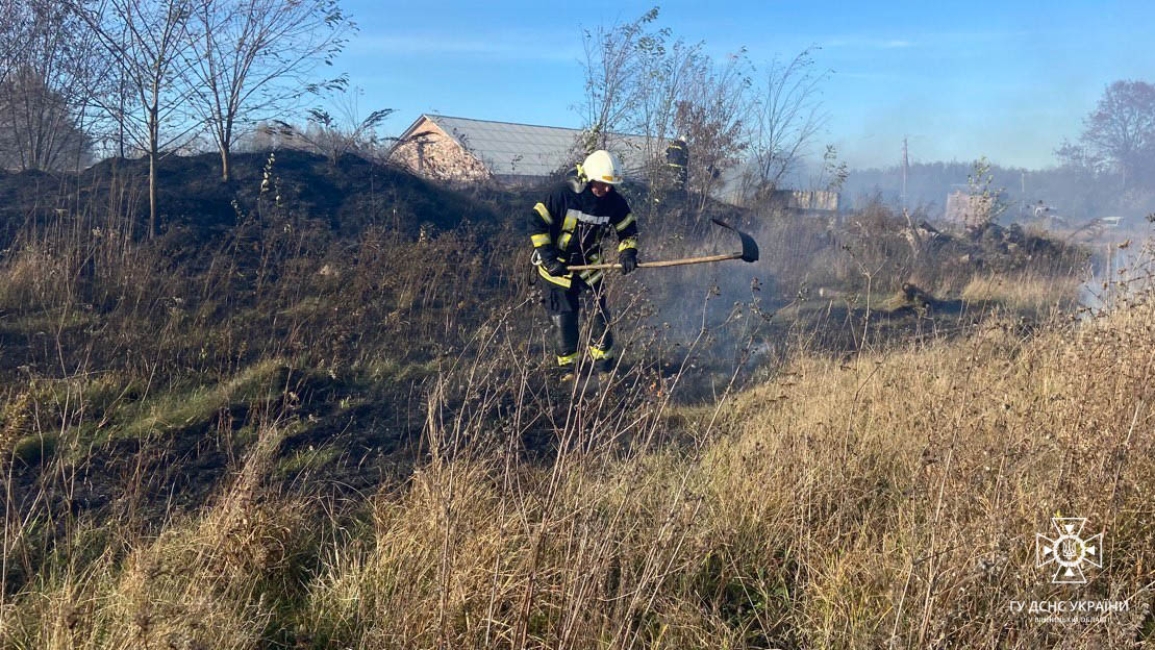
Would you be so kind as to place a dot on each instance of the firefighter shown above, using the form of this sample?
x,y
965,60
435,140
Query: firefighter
x,y
567,229
677,158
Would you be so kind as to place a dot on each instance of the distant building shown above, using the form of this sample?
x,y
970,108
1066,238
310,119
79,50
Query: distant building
x,y
969,210
806,200
459,149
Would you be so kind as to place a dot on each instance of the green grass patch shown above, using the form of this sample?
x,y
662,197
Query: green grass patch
x,y
36,448
196,407
302,461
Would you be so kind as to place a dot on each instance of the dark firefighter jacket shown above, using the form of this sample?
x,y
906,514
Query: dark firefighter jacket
x,y
573,221
677,154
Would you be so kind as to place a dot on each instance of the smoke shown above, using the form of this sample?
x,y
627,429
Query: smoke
x,y
709,323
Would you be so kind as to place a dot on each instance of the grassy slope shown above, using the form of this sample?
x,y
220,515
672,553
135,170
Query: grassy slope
x,y
301,440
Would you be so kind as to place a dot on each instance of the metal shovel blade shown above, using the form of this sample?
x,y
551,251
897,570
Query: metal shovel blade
x,y
749,246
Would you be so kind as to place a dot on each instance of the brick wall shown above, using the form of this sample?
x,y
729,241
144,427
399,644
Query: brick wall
x,y
431,153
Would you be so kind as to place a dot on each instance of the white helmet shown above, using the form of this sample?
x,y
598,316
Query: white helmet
x,y
602,166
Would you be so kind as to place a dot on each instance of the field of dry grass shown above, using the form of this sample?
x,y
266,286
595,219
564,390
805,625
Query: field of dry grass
x,y
305,448
891,501
887,501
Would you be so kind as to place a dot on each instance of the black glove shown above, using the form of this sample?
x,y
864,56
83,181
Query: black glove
x,y
551,262
629,260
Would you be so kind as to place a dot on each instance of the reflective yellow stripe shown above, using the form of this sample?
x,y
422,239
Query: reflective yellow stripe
x,y
566,360
567,228
625,222
629,242
592,275
541,239
543,212
561,281
599,354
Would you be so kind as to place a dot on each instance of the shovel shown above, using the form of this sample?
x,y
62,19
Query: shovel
x,y
749,253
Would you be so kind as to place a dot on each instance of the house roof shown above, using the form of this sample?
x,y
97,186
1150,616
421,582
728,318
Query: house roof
x,y
509,149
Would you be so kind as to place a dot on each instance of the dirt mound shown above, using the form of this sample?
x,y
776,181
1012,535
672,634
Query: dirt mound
x,y
348,194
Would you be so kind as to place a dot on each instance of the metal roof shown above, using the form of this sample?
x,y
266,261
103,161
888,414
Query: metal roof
x,y
509,149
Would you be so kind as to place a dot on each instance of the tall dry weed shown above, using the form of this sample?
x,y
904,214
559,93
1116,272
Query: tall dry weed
x,y
884,499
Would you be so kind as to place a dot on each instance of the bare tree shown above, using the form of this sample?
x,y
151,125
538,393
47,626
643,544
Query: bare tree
x,y
1121,129
640,78
148,40
251,58
712,115
46,85
665,72
612,70
788,114
38,128
832,173
12,24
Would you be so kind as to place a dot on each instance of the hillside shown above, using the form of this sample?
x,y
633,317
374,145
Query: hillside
x,y
314,413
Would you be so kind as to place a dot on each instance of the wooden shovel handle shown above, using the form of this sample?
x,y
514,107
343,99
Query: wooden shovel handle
x,y
653,265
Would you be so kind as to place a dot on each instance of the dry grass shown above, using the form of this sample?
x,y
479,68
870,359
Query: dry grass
x,y
914,483
1029,294
889,502
885,499
213,581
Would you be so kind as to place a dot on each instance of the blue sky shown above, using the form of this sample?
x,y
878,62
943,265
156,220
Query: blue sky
x,y
1005,80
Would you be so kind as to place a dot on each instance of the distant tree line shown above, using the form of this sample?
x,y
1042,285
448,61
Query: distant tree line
x,y
152,77
1109,169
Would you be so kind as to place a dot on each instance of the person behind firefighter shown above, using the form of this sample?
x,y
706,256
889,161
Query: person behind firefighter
x,y
567,229
677,158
